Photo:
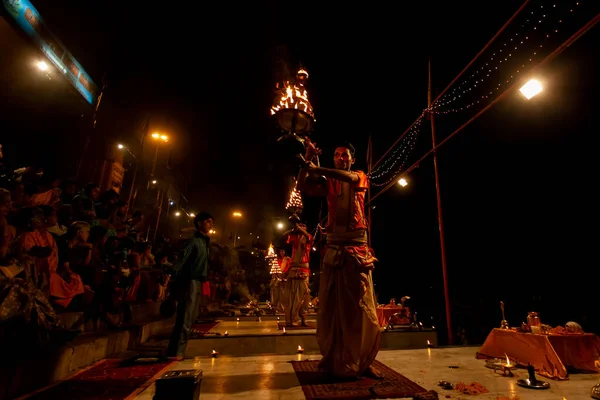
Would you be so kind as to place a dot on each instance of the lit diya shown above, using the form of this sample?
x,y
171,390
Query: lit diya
x,y
504,366
300,349
215,354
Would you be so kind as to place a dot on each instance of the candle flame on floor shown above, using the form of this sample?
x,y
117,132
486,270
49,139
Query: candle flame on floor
x,y
507,360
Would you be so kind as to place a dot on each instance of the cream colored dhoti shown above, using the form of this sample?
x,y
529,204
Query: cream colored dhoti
x,y
298,294
276,300
348,332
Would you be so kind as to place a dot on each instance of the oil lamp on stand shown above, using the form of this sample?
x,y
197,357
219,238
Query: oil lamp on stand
x,y
294,113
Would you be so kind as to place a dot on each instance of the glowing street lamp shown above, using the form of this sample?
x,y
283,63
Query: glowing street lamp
x,y
177,213
280,226
236,215
43,66
532,88
121,146
402,182
192,215
160,136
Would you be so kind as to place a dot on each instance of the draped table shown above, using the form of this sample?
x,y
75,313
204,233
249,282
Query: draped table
x,y
550,355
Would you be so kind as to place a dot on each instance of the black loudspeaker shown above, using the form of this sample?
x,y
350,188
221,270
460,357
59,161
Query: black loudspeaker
x,y
180,385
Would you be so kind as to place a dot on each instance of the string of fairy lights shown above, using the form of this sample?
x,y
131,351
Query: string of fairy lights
x,y
537,20
503,56
399,156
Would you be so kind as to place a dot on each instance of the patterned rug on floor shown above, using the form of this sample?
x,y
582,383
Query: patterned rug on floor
x,y
109,379
311,325
317,385
201,329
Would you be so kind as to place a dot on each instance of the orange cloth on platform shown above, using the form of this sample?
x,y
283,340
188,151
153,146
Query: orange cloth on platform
x,y
549,354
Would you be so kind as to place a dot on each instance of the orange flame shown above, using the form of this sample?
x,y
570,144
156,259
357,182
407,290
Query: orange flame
x,y
507,360
292,96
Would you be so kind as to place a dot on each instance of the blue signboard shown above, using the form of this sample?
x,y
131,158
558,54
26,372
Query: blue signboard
x,y
28,18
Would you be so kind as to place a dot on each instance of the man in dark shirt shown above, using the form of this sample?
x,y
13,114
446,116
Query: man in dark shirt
x,y
191,271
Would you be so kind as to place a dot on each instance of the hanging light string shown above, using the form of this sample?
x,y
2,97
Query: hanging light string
x,y
398,158
489,43
403,147
589,25
515,38
399,152
500,58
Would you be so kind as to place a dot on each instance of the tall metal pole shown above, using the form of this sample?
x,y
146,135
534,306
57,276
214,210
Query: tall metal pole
x,y
131,188
439,213
160,199
369,169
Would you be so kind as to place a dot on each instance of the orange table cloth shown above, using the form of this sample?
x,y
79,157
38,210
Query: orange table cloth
x,y
549,354
385,313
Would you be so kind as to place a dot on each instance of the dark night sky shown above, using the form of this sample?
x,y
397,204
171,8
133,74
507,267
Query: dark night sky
x,y
516,184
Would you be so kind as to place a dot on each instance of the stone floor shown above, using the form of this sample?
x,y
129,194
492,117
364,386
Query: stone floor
x,y
272,377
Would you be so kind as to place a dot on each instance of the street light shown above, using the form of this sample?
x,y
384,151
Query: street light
x,y
122,147
43,66
280,226
236,215
402,182
158,137
177,213
532,88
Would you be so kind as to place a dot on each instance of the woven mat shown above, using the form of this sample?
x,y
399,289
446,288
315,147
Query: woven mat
x,y
317,385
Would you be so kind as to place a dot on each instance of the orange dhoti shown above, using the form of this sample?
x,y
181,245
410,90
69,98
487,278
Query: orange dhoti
x,y
348,333
297,292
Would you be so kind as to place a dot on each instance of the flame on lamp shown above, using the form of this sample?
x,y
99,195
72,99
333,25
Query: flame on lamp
x,y
273,262
300,349
295,199
507,360
292,96
284,331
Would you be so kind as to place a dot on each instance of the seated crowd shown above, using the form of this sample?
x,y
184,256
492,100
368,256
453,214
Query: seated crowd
x,y
65,249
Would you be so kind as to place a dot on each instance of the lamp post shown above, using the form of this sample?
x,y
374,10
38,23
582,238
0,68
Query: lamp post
x,y
236,215
159,137
122,147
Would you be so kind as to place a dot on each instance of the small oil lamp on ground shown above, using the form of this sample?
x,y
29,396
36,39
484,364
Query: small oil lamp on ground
x,y
284,331
429,344
215,354
505,367
300,349
226,333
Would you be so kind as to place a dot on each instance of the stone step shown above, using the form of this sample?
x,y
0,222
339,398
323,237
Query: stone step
x,y
20,376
